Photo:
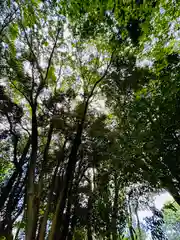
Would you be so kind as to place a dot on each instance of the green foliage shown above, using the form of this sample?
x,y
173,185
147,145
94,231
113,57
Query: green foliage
x,y
171,213
79,234
13,31
51,74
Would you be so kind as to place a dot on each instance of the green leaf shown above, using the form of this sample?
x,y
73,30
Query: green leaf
x,y
51,74
13,31
46,43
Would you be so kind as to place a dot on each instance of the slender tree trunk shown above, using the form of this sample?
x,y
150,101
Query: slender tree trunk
x,y
17,233
89,216
138,222
39,188
73,224
73,219
65,229
50,195
39,228
115,207
45,217
31,198
131,230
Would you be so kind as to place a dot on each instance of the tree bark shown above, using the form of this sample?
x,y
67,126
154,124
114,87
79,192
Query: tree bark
x,y
131,230
50,195
38,190
89,215
31,198
73,220
65,229
115,207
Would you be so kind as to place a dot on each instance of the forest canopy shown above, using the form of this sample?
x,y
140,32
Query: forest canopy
x,y
89,118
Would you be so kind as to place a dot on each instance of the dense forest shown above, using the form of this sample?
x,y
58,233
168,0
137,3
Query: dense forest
x,y
89,119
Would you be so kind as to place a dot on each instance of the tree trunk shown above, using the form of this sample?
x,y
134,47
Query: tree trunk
x,y
138,222
131,230
89,216
31,198
68,182
50,195
38,190
65,229
73,220
115,208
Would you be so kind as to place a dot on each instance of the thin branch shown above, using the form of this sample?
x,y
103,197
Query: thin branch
x,y
34,55
93,88
33,81
25,130
43,79
59,73
103,76
8,19
41,85
52,53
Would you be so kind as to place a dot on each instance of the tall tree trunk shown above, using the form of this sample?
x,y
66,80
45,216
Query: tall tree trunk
x,y
42,229
31,198
115,207
89,216
73,219
39,228
65,229
50,195
73,224
131,230
39,188
138,222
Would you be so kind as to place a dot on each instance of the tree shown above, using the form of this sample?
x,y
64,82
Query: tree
x,y
68,165
44,124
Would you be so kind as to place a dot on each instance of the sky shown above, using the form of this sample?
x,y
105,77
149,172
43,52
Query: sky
x,y
159,201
